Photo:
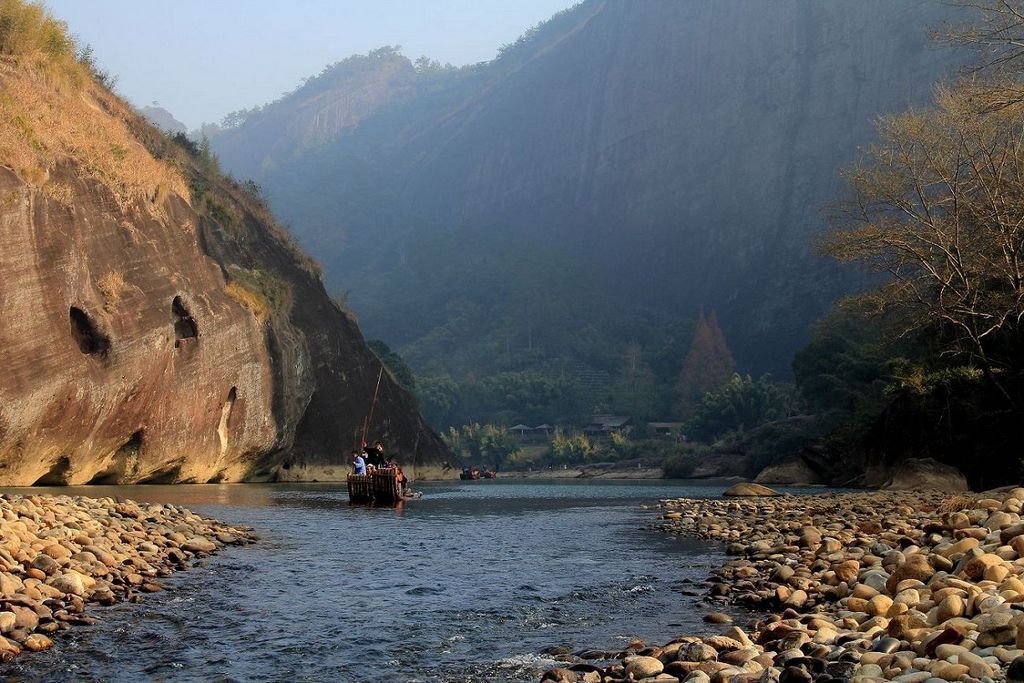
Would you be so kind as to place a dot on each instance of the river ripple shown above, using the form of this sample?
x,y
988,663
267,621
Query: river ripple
x,y
468,583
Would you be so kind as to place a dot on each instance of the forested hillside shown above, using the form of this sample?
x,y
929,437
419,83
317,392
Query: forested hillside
x,y
557,218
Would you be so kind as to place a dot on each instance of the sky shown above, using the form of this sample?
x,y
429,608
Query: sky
x,y
201,59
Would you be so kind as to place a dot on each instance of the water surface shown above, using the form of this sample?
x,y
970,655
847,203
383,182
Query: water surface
x,y
468,583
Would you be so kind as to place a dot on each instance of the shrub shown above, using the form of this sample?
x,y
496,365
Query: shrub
x,y
571,448
682,463
112,284
26,28
483,443
261,292
253,301
87,59
29,35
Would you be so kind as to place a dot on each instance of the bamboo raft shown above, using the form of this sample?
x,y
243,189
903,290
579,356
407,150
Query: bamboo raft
x,y
380,487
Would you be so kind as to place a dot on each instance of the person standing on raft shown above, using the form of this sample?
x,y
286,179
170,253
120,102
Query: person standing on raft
x,y
375,455
358,464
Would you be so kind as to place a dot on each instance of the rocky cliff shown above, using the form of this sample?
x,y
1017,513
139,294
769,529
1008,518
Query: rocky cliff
x,y
156,325
672,154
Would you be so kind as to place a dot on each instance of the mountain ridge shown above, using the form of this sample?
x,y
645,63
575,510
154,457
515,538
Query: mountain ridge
x,y
677,154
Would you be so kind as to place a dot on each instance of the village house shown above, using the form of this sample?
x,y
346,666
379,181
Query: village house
x,y
666,430
606,425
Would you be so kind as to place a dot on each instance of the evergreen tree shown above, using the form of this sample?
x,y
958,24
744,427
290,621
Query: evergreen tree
x,y
708,365
634,389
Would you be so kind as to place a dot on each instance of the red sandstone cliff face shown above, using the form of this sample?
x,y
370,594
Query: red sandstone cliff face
x,y
155,325
99,383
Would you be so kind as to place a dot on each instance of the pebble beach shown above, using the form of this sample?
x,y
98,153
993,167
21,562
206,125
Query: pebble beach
x,y
61,554
913,587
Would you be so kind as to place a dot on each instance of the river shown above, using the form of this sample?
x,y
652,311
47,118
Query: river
x,y
469,583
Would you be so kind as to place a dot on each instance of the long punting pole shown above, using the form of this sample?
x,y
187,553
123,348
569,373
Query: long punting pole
x,y
369,414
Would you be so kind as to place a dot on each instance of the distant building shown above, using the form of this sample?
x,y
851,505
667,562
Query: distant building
x,y
665,429
544,429
605,425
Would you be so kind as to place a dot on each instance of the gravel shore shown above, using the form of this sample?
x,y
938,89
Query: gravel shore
x,y
912,587
60,553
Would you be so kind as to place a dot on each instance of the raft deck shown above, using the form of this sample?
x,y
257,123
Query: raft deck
x,y
380,487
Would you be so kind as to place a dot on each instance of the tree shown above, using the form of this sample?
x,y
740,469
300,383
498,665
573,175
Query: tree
x,y
438,398
497,445
634,388
531,396
708,364
939,207
484,443
998,35
453,438
848,364
236,118
571,448
740,405
395,364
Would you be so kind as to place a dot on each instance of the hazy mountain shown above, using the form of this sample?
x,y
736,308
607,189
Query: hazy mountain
x,y
162,119
625,162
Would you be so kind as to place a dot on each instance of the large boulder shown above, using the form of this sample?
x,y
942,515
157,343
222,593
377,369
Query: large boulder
x,y
789,471
643,667
925,473
69,582
747,489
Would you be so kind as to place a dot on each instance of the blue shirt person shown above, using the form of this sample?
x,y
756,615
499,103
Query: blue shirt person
x,y
358,464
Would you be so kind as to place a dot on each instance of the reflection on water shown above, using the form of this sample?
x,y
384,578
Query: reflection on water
x,y
468,583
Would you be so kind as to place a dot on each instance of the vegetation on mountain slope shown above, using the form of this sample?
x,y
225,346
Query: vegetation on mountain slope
x,y
565,211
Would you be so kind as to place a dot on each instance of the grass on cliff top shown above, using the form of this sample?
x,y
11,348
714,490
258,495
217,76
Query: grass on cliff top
x,y
55,105
52,108
261,292
29,34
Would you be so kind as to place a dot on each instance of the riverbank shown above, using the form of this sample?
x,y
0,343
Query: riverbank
x,y
338,473
59,554
628,470
871,586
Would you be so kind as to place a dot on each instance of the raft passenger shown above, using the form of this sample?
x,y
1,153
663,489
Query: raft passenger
x,y
374,455
358,464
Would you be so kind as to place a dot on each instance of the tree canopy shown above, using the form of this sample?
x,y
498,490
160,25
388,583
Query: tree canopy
x,y
708,364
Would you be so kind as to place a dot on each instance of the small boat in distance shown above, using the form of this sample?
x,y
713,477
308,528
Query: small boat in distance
x,y
471,473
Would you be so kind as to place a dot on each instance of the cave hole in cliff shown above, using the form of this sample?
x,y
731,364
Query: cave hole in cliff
x,y
184,324
91,341
57,475
225,419
167,475
125,459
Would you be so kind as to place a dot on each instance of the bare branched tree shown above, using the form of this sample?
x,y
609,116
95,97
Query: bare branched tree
x,y
997,35
939,206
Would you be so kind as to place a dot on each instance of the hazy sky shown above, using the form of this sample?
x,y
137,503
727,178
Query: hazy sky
x,y
204,58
